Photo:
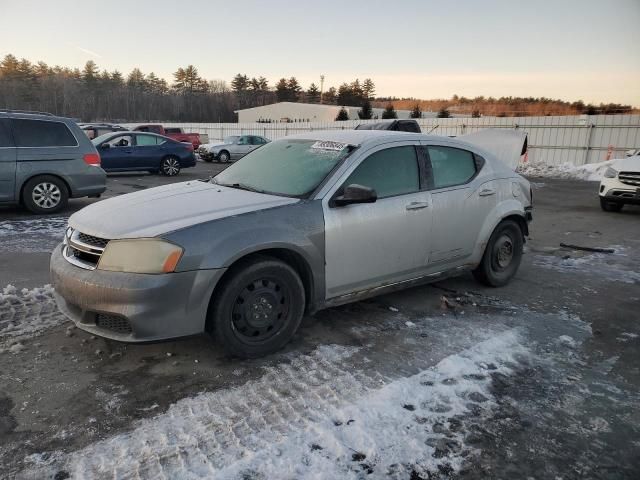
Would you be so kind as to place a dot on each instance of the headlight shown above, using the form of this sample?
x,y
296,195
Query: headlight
x,y
610,173
145,255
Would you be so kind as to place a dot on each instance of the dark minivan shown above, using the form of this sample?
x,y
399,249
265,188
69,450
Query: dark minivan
x,y
45,160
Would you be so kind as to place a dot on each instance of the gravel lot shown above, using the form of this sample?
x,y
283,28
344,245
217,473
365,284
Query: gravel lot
x,y
539,379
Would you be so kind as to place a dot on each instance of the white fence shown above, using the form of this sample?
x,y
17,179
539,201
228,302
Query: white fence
x,y
552,140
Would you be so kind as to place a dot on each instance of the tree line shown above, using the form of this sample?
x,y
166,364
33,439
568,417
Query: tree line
x,y
91,94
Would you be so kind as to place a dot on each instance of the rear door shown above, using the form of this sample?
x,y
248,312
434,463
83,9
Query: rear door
x,y
463,195
119,153
375,244
7,162
147,152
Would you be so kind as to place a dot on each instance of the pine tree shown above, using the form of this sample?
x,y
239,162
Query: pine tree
x,y
342,115
389,112
313,94
368,88
475,113
240,83
416,112
282,90
294,89
90,72
366,112
329,97
444,113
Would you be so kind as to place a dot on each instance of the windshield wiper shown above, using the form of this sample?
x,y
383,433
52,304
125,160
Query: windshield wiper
x,y
242,186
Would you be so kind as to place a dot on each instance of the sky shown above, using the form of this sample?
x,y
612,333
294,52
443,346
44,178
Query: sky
x,y
567,49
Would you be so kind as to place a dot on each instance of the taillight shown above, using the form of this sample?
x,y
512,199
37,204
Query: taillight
x,y
92,159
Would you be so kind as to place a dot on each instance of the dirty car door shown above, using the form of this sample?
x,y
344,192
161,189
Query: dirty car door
x,y
374,244
464,194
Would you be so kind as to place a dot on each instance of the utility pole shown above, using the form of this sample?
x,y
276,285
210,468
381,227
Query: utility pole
x,y
321,87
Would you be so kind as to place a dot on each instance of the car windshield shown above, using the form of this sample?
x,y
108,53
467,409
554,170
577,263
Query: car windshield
x,y
230,139
288,167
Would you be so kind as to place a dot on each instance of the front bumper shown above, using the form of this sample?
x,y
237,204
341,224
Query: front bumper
x,y
614,190
132,307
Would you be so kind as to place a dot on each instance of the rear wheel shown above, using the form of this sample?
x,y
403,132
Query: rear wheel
x,y
45,194
170,166
258,308
224,157
608,206
502,256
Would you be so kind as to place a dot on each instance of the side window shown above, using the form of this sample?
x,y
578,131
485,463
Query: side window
x,y
5,134
243,141
451,166
120,141
389,172
41,133
146,140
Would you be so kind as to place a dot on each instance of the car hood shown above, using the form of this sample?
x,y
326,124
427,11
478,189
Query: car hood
x,y
629,164
210,146
160,210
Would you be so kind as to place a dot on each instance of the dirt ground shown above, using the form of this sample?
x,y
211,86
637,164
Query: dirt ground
x,y
539,379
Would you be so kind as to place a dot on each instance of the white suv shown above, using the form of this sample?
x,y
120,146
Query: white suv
x,y
621,184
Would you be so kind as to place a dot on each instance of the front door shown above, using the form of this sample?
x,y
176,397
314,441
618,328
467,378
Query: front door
x,y
7,162
242,148
463,196
119,153
376,244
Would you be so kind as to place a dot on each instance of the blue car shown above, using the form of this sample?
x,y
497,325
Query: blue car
x,y
134,151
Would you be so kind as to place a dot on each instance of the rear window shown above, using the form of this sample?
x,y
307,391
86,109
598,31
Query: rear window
x,y
42,133
5,134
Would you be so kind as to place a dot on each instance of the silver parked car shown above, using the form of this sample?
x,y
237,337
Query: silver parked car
x,y
304,223
231,148
45,160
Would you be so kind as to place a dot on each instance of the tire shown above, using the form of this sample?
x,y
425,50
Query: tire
x,y
45,194
207,159
224,157
608,206
170,166
258,308
502,255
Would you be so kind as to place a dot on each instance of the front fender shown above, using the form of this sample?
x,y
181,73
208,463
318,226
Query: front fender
x,y
501,211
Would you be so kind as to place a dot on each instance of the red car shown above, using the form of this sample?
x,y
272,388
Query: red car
x,y
173,133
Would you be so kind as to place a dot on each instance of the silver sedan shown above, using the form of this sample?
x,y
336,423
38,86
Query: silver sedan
x,y
305,223
231,148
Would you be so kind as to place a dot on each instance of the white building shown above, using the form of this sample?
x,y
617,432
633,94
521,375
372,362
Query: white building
x,y
307,112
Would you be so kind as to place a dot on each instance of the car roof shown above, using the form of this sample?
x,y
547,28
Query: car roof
x,y
22,114
360,137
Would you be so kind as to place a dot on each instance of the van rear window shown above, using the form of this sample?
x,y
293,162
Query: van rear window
x,y
42,133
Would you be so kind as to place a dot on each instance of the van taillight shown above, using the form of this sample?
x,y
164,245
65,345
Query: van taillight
x,y
92,159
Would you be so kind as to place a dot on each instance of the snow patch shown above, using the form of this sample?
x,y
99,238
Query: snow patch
x,y
27,313
314,416
590,172
32,235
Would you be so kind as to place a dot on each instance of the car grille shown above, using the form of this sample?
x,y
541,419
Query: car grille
x,y
113,323
630,178
83,250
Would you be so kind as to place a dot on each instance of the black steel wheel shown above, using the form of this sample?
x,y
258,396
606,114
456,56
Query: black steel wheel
x,y
258,308
502,255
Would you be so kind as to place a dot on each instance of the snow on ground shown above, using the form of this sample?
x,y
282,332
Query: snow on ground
x,y
614,267
26,313
590,172
32,235
315,416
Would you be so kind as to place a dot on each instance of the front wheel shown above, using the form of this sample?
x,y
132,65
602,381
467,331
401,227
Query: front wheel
x,y
258,308
502,256
608,206
170,166
224,156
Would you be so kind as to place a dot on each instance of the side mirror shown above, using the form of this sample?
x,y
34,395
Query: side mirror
x,y
104,146
355,193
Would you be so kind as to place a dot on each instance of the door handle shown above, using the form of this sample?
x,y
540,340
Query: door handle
x,y
417,205
486,192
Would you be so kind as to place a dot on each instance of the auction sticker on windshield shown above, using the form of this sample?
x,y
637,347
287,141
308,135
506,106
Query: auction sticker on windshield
x,y
326,145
